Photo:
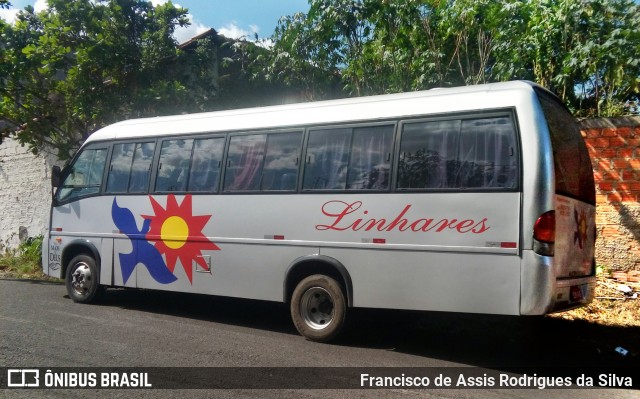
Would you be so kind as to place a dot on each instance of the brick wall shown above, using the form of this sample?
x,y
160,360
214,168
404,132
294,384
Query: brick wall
x,y
614,147
25,193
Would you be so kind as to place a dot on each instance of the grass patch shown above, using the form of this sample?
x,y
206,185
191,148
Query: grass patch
x,y
24,261
610,307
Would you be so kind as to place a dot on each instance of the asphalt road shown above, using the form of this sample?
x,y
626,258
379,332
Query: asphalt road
x,y
41,327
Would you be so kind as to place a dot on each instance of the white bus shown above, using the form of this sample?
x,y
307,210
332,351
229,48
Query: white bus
x,y
476,199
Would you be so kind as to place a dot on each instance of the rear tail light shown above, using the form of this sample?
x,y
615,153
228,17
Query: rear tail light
x,y
544,234
545,228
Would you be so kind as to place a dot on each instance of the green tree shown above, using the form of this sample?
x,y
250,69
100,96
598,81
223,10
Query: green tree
x,y
389,60
390,46
82,64
583,50
242,82
607,58
301,58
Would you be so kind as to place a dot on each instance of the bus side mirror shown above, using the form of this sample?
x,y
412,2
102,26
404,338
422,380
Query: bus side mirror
x,y
55,176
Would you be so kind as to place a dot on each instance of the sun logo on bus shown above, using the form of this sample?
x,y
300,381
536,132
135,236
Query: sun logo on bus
x,y
580,235
176,233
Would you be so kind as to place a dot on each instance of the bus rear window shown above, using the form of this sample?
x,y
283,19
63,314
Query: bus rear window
x,y
573,171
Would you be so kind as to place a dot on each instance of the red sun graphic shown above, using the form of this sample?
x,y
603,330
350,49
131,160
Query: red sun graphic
x,y
177,234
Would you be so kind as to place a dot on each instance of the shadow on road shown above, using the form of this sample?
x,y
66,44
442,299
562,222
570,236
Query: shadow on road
x,y
240,312
478,340
497,341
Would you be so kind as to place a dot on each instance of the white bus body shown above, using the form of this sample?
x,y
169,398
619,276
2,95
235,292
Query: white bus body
x,y
474,199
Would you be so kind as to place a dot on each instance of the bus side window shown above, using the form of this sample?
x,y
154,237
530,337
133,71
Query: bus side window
x,y
370,161
173,169
130,168
458,154
206,163
141,168
486,154
327,159
356,158
428,153
245,162
120,168
280,171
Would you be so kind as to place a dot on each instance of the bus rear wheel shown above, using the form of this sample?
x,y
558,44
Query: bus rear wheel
x,y
318,308
82,279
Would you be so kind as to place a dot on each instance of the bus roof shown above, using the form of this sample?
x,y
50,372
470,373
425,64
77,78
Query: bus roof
x,y
370,108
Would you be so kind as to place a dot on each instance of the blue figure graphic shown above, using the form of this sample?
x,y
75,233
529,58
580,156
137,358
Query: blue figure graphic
x,y
143,252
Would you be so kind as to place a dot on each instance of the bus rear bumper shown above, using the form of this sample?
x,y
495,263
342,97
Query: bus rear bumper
x,y
573,293
542,293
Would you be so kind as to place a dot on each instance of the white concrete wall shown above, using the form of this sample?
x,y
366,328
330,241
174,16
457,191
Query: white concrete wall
x,y
25,192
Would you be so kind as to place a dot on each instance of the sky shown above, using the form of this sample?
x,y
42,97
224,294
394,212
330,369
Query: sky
x,y
231,18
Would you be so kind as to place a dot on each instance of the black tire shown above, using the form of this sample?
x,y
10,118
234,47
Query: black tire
x,y
318,308
83,279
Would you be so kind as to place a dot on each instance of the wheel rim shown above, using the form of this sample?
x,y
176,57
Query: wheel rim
x,y
316,308
81,279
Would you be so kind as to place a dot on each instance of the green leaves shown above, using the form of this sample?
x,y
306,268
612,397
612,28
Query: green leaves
x,y
83,64
583,50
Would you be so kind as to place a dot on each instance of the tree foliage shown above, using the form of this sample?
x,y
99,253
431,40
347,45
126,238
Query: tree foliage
x,y
583,50
82,64
301,59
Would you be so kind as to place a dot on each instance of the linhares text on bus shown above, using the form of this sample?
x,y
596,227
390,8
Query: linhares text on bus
x,y
476,199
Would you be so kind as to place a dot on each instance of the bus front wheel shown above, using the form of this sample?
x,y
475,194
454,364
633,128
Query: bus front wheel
x,y
82,279
318,308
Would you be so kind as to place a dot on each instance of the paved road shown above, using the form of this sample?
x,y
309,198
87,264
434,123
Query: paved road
x,y
41,327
